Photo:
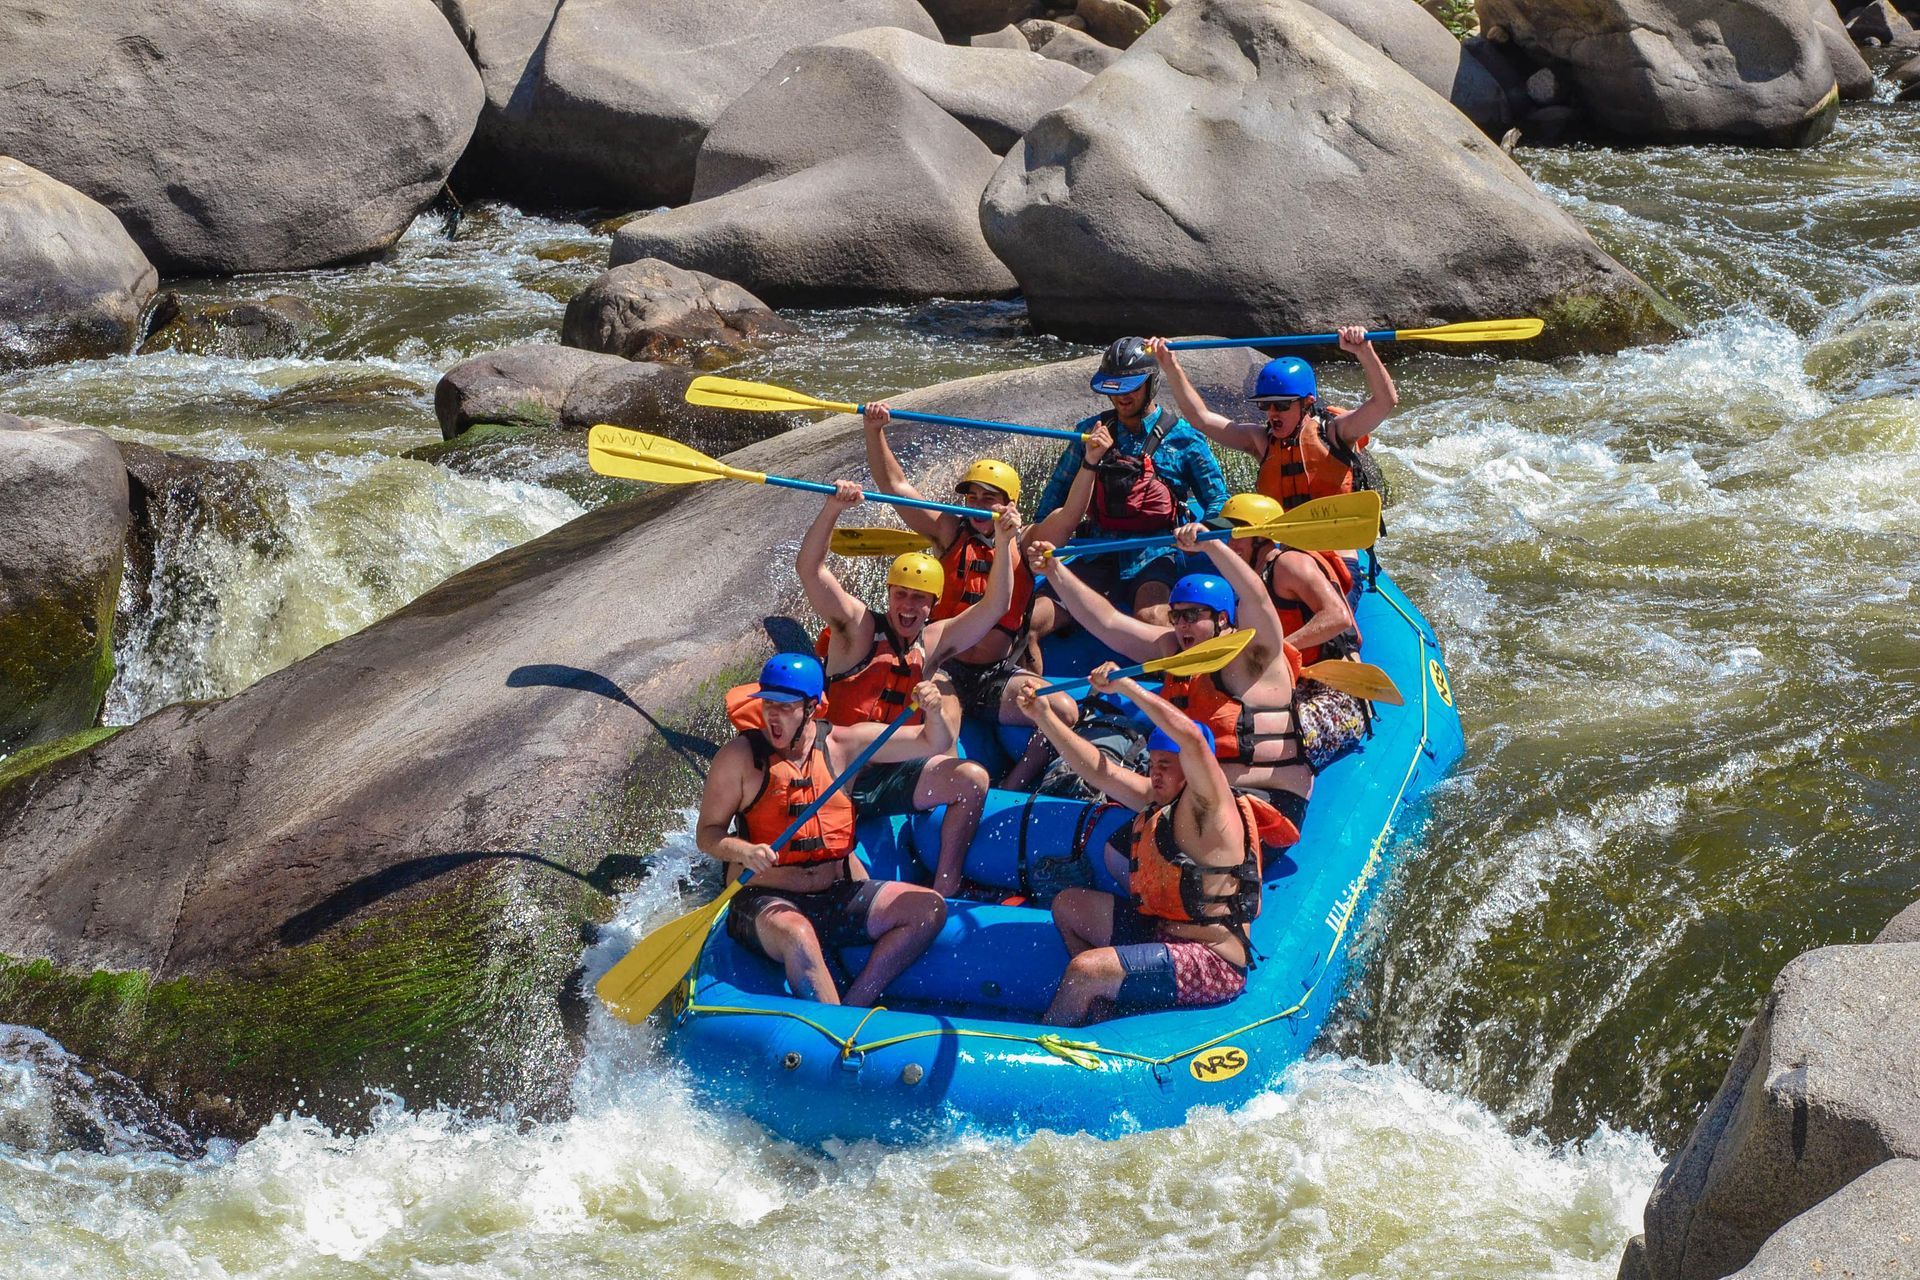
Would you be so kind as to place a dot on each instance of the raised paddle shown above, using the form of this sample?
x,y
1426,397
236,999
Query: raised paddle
x,y
761,397
1208,655
1361,679
646,975
1342,522
635,455
1465,331
878,542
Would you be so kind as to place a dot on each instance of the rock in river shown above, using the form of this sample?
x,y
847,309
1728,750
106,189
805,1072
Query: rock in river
x,y
1756,72
374,866
653,310
1419,45
255,137
521,386
63,496
73,284
833,179
610,103
1306,181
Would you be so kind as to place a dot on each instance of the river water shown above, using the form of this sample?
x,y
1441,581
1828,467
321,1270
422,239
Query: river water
x,y
1676,586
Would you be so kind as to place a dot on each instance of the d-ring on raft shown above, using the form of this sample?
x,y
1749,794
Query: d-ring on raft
x,y
956,1046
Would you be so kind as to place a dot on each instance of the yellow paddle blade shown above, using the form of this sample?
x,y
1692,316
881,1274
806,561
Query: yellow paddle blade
x,y
877,542
1208,655
1477,331
1343,522
761,397
636,455
1361,679
646,975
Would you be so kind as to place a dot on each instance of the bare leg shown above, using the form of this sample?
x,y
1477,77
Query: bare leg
x,y
961,785
1091,975
1150,602
903,923
1084,918
1033,761
786,936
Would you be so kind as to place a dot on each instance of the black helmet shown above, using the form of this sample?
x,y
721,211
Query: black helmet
x,y
1124,366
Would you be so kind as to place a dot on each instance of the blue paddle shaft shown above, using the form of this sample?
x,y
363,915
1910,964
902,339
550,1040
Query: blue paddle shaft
x,y
981,424
1073,549
854,766
814,486
1285,340
1082,682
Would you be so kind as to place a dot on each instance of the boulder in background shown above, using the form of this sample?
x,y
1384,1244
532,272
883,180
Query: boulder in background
x,y
73,285
653,310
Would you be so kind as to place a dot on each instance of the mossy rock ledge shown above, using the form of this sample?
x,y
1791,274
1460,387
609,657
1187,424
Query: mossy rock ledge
x,y
374,868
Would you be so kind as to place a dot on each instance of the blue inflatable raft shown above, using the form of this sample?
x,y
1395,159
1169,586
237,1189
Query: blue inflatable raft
x,y
957,1046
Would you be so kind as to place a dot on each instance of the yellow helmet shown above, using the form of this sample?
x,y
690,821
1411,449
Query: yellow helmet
x,y
997,474
1251,508
917,571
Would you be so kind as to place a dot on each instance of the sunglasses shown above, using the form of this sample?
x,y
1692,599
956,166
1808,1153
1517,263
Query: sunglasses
x,y
1280,405
1190,614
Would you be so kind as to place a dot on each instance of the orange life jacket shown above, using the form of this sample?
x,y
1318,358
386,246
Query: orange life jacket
x,y
1294,614
1308,466
881,684
1167,884
786,789
1234,738
968,562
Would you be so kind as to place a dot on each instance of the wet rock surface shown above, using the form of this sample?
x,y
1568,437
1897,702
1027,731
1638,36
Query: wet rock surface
x,y
63,492
520,386
251,329
73,284
653,310
162,121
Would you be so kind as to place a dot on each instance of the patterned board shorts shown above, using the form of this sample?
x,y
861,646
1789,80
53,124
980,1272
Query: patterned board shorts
x,y
1168,973
1332,723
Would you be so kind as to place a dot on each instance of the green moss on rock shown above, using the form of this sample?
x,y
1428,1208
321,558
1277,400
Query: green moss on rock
x,y
33,759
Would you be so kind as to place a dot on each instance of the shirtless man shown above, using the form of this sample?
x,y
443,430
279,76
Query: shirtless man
x,y
813,894
1191,867
874,659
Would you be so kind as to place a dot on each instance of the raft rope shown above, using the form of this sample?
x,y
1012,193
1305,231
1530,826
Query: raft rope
x,y
1087,1053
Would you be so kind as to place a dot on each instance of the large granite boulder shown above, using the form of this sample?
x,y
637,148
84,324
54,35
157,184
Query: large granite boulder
x,y
1755,72
997,93
1868,1230
613,99
833,180
521,386
505,39
373,867
1824,1087
1904,927
255,137
1069,45
1850,70
1419,45
1306,181
73,284
1115,22
63,493
653,310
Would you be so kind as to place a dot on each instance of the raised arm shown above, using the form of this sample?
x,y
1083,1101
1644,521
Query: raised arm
x,y
974,623
1382,396
829,599
1250,594
1217,427
1204,779
890,478
1095,768
1058,524
1141,641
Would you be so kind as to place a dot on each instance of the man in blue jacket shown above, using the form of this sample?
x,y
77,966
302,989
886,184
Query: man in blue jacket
x,y
1159,474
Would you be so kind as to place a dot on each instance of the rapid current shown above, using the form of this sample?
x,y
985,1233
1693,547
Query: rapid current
x,y
1675,585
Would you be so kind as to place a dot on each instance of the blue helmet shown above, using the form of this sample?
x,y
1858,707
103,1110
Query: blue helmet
x,y
791,677
1287,378
1209,591
1160,740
